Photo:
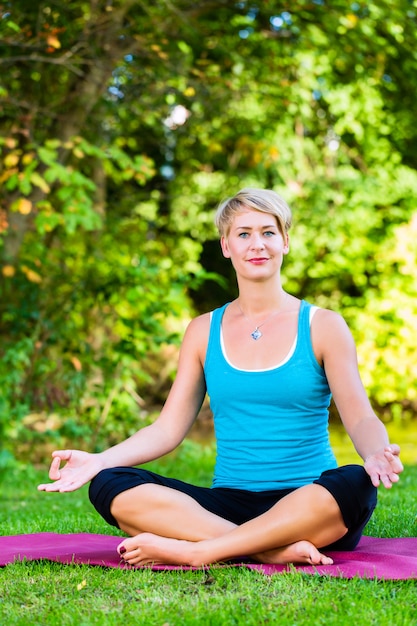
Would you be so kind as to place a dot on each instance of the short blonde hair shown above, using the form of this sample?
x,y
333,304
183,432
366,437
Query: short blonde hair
x,y
264,200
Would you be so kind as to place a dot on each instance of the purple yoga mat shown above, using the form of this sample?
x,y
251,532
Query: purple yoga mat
x,y
386,559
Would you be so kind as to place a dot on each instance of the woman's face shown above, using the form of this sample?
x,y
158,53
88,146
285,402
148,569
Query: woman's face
x,y
255,244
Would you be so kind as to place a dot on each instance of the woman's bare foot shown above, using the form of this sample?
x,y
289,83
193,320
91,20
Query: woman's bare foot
x,y
298,552
147,548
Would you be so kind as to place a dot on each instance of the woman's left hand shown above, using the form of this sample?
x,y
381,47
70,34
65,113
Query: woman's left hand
x,y
384,466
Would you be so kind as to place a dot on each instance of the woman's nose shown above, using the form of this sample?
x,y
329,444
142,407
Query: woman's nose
x,y
257,241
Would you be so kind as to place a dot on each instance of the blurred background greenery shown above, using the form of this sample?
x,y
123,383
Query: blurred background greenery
x,y
123,123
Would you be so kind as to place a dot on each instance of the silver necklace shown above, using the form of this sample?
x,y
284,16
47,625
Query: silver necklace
x,y
257,334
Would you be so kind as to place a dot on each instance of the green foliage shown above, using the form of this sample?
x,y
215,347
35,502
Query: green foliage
x,y
85,349
121,128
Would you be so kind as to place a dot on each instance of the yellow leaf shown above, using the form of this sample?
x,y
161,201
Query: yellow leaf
x,y
36,179
8,271
10,143
81,585
76,363
53,41
28,158
8,174
10,160
24,206
189,92
32,276
352,19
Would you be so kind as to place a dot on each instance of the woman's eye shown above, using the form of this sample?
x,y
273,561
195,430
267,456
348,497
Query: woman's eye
x,y
243,235
269,233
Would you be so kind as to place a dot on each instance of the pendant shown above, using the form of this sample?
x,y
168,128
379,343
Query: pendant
x,y
256,334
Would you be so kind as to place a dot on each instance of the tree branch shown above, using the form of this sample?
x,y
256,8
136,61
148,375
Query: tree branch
x,y
41,59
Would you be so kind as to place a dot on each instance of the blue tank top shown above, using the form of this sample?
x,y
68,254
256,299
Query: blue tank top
x,y
271,425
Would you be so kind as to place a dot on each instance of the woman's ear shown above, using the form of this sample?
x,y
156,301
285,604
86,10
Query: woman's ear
x,y
286,243
225,247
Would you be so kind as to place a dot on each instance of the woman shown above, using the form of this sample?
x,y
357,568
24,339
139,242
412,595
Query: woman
x,y
269,363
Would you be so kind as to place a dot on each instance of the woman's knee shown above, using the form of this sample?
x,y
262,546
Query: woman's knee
x,y
140,500
108,485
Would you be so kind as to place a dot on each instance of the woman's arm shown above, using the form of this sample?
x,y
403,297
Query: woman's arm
x,y
335,348
151,442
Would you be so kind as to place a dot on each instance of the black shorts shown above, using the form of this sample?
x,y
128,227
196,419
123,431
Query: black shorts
x,y
350,486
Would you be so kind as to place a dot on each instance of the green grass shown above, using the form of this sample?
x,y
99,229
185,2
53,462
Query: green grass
x,y
47,593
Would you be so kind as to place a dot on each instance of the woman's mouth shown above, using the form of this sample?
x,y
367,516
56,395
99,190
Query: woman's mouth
x,y
258,260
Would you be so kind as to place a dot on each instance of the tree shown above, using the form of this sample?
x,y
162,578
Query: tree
x,y
122,125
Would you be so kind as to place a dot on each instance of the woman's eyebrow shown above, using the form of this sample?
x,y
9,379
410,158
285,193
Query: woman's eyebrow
x,y
251,227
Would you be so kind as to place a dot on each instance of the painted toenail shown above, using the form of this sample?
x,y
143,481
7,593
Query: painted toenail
x,y
122,550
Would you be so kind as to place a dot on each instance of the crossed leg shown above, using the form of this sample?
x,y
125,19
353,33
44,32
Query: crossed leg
x,y
166,512
171,527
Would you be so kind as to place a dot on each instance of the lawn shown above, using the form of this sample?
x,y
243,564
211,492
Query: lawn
x,y
43,593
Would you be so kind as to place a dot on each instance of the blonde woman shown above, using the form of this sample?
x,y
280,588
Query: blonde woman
x,y
270,364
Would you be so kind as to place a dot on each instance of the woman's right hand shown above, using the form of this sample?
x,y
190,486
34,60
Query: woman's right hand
x,y
80,467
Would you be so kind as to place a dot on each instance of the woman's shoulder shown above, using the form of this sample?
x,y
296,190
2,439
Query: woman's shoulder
x,y
330,329
328,316
201,323
197,335
197,325
330,334
197,331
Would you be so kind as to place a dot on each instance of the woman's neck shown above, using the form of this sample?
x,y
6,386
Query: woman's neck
x,y
260,301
